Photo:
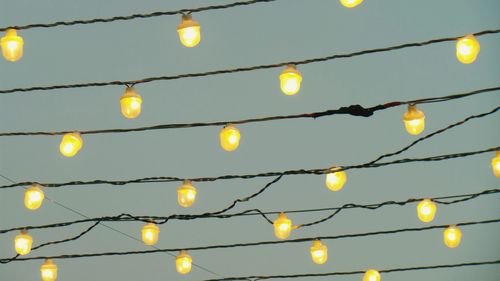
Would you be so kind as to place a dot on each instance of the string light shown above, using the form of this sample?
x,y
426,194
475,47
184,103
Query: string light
x,y
290,79
12,45
495,164
319,252
452,236
351,3
71,143
426,210
183,262
336,180
49,270
229,138
23,243
150,234
130,103
371,275
282,226
186,194
467,49
189,31
33,197
414,120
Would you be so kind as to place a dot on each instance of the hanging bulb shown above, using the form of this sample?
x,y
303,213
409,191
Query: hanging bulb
x,y
282,226
130,103
336,180
189,31
49,270
371,275
452,236
495,164
426,210
186,194
150,233
290,80
414,120
23,243
319,252
229,138
12,45
350,3
467,49
33,197
183,262
71,143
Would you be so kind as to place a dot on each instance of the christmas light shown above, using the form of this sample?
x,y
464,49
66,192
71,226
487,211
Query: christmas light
x,y
150,234
33,197
282,226
183,262
71,143
130,103
186,194
414,120
49,271
12,45
336,180
351,3
426,210
452,236
23,243
495,164
319,252
229,138
290,80
467,49
371,275
189,31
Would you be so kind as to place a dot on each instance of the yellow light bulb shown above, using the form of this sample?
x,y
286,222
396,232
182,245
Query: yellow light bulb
x,y
495,164
467,49
350,3
319,252
186,194
49,270
290,80
336,180
282,226
71,143
150,234
414,120
33,197
183,262
189,31
23,243
229,138
452,236
12,45
371,275
130,103
426,210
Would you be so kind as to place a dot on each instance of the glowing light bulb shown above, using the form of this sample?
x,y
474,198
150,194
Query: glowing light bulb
x,y
495,164
33,197
414,120
23,243
183,262
130,103
467,49
71,143
452,236
290,80
229,138
371,275
350,3
282,226
189,31
426,210
319,252
186,194
150,233
336,180
12,45
49,270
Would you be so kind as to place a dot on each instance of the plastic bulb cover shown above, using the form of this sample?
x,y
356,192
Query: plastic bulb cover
x,y
229,138
282,226
495,164
319,252
371,275
186,194
189,31
426,210
150,234
12,45
290,80
71,143
130,103
414,120
452,236
33,197
183,263
23,243
335,181
467,49
48,271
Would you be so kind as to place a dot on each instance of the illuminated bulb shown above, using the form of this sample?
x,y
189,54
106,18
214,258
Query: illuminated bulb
x,y
189,31
150,233
183,262
336,180
229,138
49,270
282,226
452,236
371,275
426,210
12,45
414,120
23,243
71,143
290,80
467,49
186,194
495,164
33,197
130,103
350,3
319,252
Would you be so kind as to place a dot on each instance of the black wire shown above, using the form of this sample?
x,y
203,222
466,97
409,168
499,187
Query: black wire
x,y
240,69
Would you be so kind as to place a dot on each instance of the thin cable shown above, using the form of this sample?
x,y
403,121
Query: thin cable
x,y
240,69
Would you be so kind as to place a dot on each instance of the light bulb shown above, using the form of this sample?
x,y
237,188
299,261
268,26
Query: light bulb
x,y
319,252
495,164
189,31
452,236
467,49
186,194
130,103
33,197
350,3
414,120
71,143
336,180
371,275
183,262
150,233
282,226
49,270
426,210
12,45
23,243
290,80
229,138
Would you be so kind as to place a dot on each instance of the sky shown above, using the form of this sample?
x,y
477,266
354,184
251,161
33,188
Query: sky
x,y
265,33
